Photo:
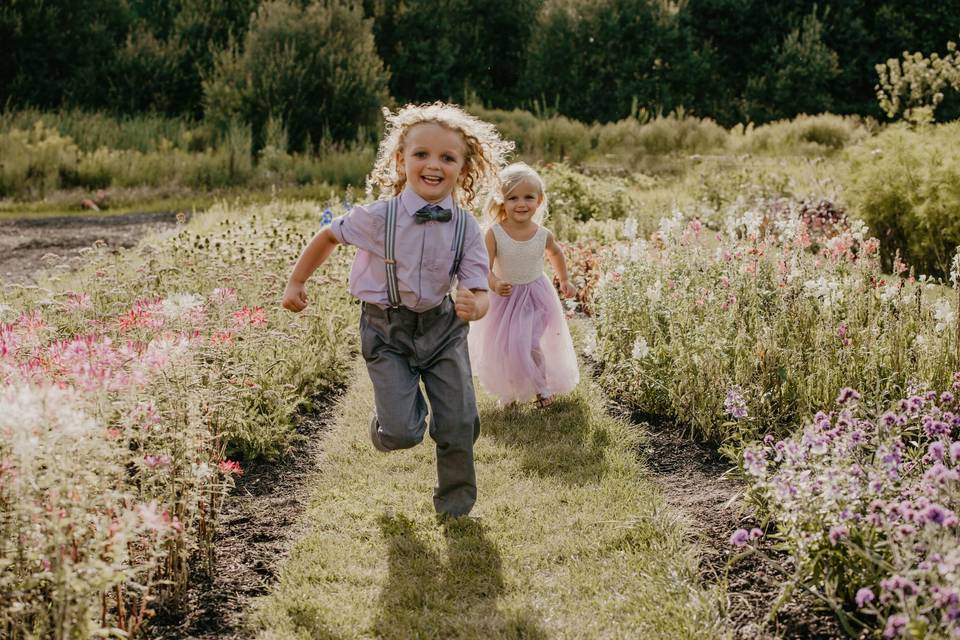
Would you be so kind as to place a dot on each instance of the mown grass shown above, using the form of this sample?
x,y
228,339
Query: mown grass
x,y
568,539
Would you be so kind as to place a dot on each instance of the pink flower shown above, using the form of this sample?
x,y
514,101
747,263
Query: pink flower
x,y
229,467
864,597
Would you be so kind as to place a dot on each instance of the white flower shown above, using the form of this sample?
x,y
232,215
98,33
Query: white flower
x,y
654,291
630,228
179,305
944,314
640,348
589,344
669,227
638,249
201,471
827,291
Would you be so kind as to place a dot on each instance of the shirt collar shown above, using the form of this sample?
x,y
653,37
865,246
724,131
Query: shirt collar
x,y
412,202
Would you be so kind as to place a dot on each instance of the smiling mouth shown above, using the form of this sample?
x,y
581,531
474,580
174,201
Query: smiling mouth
x,y
433,180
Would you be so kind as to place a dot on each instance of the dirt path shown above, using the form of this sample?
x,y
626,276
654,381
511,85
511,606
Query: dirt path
x,y
699,481
24,243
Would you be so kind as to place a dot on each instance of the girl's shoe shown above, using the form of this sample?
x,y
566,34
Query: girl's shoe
x,y
544,402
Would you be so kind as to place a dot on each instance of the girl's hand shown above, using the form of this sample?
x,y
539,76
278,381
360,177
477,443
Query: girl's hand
x,y
295,297
567,289
503,288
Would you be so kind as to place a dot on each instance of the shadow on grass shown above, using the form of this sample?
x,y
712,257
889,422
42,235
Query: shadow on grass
x,y
556,442
428,596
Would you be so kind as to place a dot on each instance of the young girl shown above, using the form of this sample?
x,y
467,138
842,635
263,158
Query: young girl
x,y
522,349
411,246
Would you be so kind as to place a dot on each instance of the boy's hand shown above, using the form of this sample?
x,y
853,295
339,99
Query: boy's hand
x,y
567,289
295,297
468,306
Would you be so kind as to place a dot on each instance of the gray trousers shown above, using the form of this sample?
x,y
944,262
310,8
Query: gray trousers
x,y
401,348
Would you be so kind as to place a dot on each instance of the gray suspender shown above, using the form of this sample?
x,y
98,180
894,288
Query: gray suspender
x,y
389,242
390,239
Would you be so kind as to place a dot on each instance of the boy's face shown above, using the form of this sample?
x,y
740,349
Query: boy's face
x,y
432,160
522,202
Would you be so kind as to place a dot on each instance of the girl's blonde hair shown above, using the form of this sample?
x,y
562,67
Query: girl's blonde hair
x,y
510,178
486,151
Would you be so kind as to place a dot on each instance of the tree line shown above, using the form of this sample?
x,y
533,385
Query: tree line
x,y
321,69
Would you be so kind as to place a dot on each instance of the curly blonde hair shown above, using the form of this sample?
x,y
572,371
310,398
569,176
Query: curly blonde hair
x,y
486,151
510,177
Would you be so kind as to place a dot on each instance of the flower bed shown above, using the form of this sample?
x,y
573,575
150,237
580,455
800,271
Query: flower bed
x,y
865,501
124,394
744,331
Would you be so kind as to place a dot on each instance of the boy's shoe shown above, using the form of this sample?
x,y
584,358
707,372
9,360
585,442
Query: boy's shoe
x,y
375,434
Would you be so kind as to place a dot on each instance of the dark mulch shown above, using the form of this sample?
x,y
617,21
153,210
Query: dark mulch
x,y
700,482
260,519
25,243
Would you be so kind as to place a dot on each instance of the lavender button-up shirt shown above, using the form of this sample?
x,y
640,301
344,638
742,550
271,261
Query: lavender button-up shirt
x,y
424,253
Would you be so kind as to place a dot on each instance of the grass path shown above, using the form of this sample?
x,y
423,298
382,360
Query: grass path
x,y
568,540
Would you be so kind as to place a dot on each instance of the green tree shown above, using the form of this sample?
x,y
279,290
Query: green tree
x,y
440,49
600,60
313,69
170,48
59,52
799,77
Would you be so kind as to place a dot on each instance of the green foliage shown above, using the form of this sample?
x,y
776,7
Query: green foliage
x,y
596,60
312,69
473,49
808,135
906,185
576,199
799,76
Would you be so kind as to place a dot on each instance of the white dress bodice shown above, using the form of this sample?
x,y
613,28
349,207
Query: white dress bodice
x,y
519,261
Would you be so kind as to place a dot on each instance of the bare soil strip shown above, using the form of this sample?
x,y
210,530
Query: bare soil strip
x,y
26,244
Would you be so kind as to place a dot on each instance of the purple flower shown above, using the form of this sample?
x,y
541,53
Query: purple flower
x,y
327,217
954,451
938,515
864,596
895,625
945,597
734,403
756,534
946,397
838,532
934,452
754,461
740,537
899,584
848,396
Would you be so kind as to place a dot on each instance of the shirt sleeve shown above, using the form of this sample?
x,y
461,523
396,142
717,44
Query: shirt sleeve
x,y
362,227
475,264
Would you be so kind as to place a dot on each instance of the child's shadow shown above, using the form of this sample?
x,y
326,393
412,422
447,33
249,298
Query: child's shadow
x,y
428,596
559,442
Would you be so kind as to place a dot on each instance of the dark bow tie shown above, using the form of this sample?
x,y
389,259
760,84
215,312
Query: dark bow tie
x,y
433,212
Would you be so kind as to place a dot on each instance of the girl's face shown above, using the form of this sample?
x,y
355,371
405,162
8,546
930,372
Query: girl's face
x,y
521,202
432,160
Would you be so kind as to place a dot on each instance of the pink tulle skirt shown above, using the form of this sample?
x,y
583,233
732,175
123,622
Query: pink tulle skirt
x,y
522,347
